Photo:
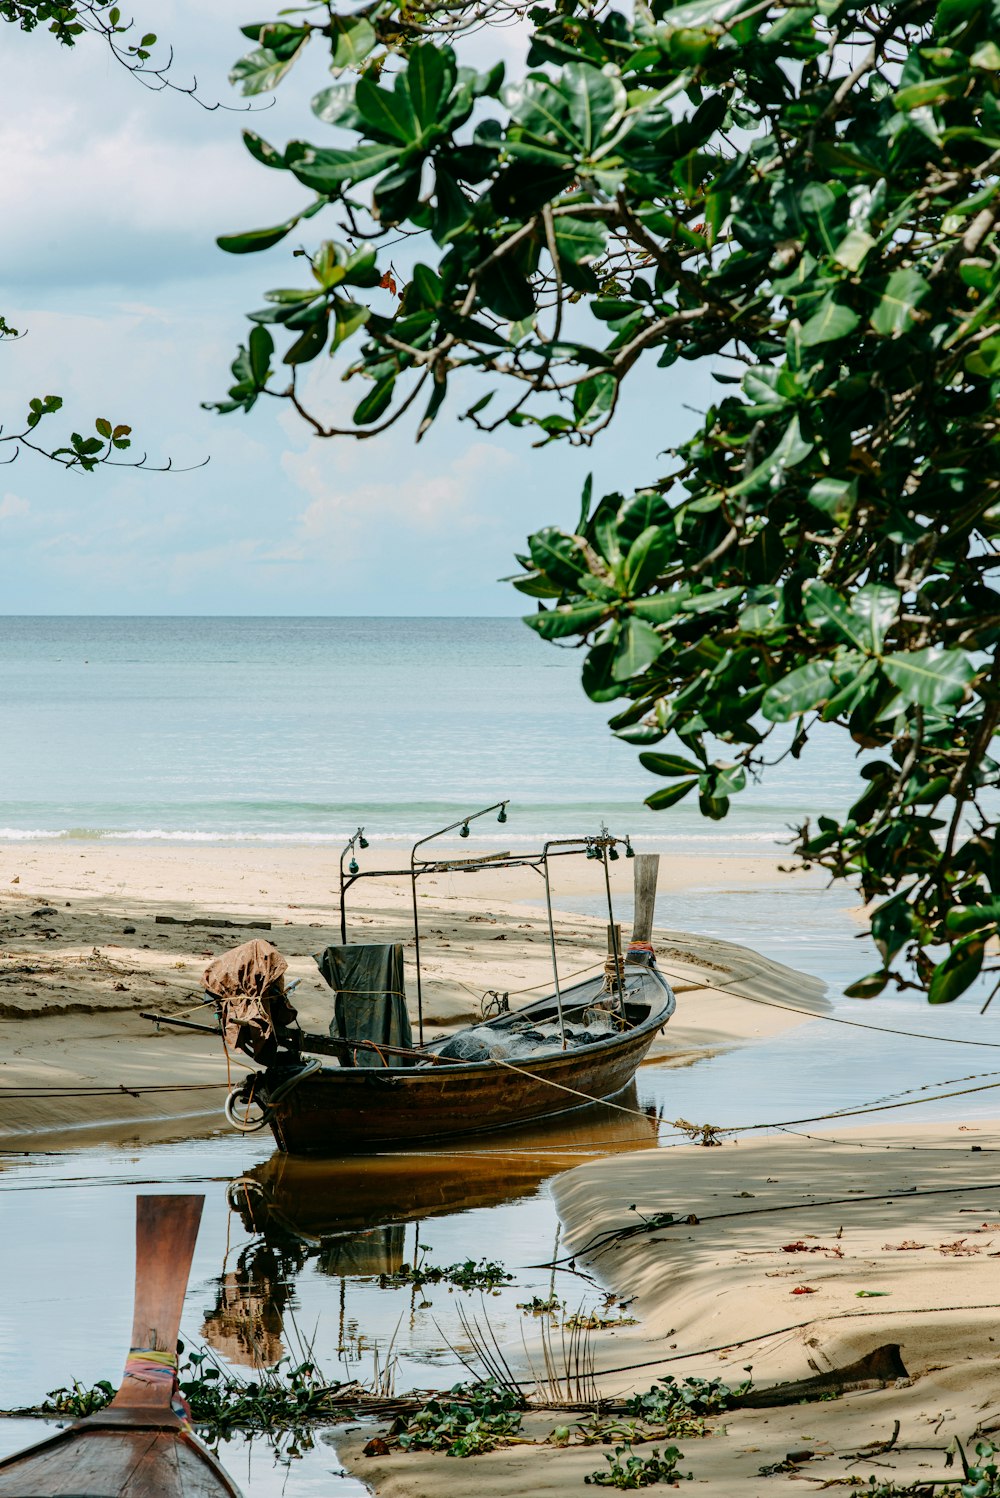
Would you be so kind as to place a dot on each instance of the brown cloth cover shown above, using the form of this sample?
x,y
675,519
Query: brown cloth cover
x,y
249,983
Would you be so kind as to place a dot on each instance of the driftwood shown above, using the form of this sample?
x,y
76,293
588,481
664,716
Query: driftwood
x,y
174,920
876,1369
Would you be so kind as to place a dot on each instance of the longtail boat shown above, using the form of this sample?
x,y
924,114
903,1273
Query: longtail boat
x,y
575,1047
139,1446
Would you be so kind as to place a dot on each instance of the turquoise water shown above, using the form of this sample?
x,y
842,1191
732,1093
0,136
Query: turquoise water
x,y
300,729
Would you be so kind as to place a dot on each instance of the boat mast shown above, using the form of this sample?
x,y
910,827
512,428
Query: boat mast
x,y
552,943
417,866
605,843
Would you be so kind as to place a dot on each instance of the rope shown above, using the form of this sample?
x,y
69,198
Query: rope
x,y
831,1019
780,1331
153,1365
587,1096
116,1091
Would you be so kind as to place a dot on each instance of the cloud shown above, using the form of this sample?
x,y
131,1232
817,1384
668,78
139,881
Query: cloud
x,y
344,512
13,507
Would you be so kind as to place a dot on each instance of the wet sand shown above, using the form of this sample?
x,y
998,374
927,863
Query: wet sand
x,y
82,953
808,1252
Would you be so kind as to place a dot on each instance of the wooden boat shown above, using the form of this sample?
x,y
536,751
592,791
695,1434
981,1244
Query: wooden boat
x,y
388,1092
344,1109
137,1447
315,1201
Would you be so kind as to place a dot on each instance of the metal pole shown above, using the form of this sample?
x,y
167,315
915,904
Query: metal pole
x,y
615,951
416,954
552,944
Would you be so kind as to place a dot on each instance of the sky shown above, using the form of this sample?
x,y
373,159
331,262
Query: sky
x,y
111,198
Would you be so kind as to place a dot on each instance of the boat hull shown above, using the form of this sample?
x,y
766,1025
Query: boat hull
x,y
344,1110
108,1456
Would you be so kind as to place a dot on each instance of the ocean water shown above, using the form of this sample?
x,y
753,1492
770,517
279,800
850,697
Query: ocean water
x,y
300,729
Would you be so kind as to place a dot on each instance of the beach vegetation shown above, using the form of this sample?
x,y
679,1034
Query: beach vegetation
x,y
79,1400
669,1398
288,1395
470,1274
800,200
626,1471
473,1418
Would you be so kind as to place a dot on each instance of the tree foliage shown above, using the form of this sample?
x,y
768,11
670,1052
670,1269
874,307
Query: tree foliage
x,y
802,193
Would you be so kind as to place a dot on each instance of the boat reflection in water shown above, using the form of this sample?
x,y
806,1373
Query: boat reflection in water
x,y
347,1218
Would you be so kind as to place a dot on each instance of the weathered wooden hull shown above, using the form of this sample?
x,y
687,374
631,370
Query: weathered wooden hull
x,y
111,1456
315,1198
343,1110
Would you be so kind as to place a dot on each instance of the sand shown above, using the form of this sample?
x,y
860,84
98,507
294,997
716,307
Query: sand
x,y
808,1252
82,954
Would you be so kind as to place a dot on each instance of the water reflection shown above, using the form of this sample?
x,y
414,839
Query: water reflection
x,y
347,1219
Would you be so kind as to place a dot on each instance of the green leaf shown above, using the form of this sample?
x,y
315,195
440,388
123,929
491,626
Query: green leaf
x,y
255,239
430,76
932,677
987,57
647,556
876,606
309,344
638,647
261,71
353,39
569,619
669,794
867,988
262,152
853,249
823,607
596,102
103,427
350,316
964,918
669,764
592,398
326,171
559,556
261,347
835,497
579,240
830,321
800,691
896,313
957,972
387,112
371,407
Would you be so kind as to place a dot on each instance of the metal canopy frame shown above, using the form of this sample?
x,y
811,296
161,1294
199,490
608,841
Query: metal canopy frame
x,y
600,845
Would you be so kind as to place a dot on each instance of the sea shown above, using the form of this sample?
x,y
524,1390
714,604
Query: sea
x,y
301,729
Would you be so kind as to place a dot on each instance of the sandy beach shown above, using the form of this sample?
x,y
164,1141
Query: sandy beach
x,y
794,1253
82,952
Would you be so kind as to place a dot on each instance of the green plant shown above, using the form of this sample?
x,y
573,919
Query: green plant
x,y
78,1400
485,1274
668,1399
639,1472
550,1305
475,1418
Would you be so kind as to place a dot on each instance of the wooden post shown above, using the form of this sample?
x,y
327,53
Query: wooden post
x,y
614,938
647,868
